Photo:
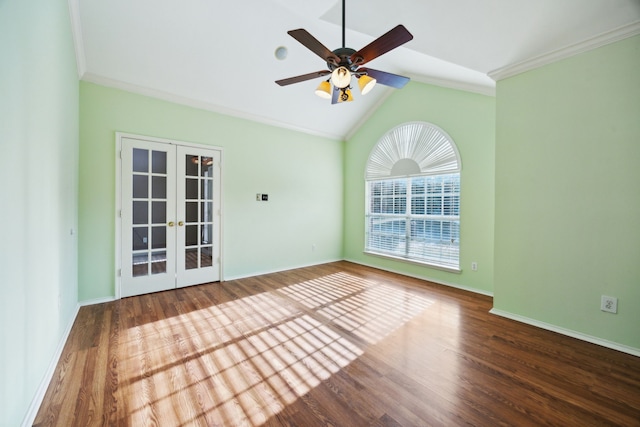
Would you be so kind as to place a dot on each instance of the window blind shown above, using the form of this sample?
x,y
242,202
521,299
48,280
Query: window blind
x,y
413,196
416,218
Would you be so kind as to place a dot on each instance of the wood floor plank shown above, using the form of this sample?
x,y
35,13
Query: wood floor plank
x,y
336,344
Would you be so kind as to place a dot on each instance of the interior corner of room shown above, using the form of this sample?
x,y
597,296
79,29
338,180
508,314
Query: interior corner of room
x,y
549,210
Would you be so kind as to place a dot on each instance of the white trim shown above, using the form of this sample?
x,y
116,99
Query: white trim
x,y
414,261
96,301
118,217
221,215
118,201
425,278
177,99
76,32
181,100
168,141
454,84
595,42
32,412
278,270
568,332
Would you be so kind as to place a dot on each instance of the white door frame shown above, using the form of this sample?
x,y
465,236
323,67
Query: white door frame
x,y
118,196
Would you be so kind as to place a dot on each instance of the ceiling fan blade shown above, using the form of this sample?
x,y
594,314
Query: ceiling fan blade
x,y
302,78
383,44
314,45
387,79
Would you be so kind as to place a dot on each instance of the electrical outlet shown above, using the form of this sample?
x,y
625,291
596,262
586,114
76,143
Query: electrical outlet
x,y
474,266
609,304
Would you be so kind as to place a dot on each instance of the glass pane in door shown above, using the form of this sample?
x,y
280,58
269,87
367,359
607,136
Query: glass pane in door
x,y
140,265
206,258
191,189
198,210
158,262
140,160
149,212
159,187
140,212
191,211
191,166
191,258
140,186
206,211
140,238
159,237
206,214
159,162
159,212
207,166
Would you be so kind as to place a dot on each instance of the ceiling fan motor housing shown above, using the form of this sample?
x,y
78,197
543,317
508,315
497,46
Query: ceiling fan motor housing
x,y
344,53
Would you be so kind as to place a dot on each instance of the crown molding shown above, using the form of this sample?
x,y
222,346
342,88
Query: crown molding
x,y
202,105
76,32
595,42
454,84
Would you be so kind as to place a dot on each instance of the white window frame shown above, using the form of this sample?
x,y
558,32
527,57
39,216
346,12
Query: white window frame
x,y
414,150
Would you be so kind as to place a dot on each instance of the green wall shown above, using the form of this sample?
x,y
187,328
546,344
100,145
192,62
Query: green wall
x,y
470,121
302,175
554,156
38,189
568,193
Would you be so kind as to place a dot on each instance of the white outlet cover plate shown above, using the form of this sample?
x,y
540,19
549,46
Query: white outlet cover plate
x,y
609,304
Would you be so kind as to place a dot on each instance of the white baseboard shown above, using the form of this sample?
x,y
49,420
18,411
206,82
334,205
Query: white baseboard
x,y
568,332
46,380
260,273
428,279
96,301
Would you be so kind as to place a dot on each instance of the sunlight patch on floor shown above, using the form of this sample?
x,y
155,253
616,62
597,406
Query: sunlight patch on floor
x,y
245,360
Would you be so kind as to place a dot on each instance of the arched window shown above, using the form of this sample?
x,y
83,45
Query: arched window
x,y
413,196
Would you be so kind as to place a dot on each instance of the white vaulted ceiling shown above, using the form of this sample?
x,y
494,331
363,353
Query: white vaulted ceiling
x,y
219,55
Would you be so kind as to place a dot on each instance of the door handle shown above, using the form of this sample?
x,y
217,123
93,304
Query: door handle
x,y
171,224
181,223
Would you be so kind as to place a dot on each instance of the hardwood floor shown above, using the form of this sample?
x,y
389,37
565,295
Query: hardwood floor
x,y
332,345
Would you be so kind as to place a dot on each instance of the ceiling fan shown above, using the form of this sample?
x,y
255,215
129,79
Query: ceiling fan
x,y
344,62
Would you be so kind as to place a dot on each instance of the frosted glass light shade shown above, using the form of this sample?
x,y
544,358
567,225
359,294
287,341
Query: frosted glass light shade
x,y
366,83
341,77
324,90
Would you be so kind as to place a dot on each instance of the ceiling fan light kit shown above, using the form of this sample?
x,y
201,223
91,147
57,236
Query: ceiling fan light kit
x,y
341,77
324,90
345,95
344,63
366,83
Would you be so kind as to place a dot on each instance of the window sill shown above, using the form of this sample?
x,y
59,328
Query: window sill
x,y
412,261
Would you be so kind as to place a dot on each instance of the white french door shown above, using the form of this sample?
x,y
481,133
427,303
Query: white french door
x,y
170,216
198,213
